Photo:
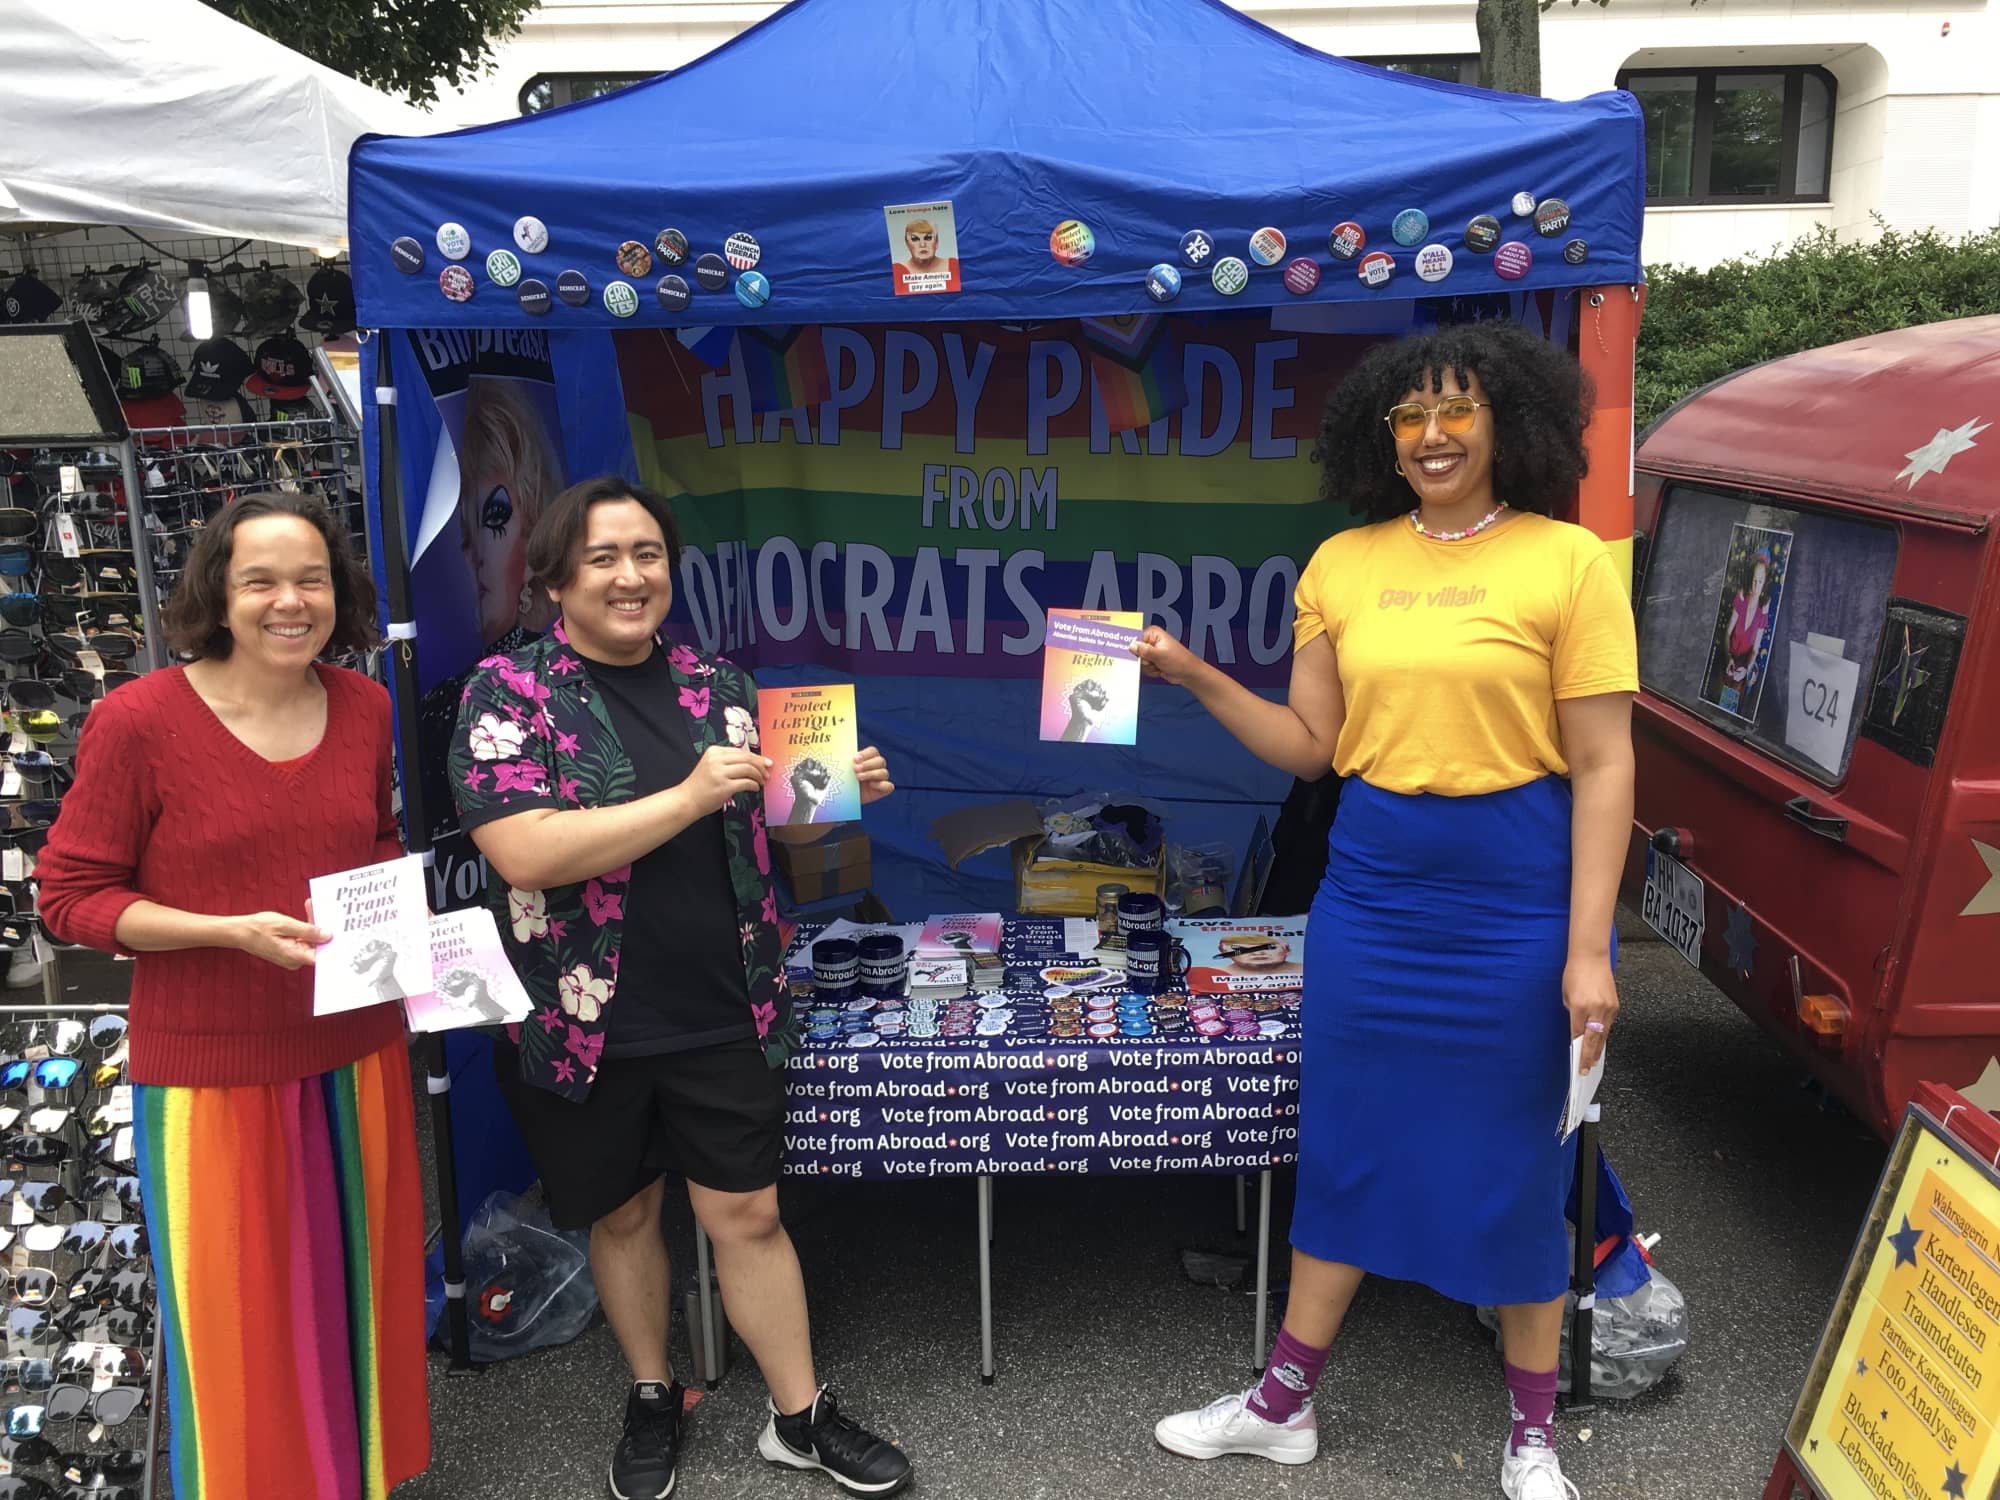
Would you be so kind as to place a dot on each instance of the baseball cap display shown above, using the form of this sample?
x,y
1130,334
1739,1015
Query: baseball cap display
x,y
270,302
329,302
28,299
220,368
145,371
225,308
282,366
90,299
144,297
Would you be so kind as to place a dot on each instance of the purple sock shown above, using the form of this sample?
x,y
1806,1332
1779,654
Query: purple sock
x,y
1288,1379
1534,1397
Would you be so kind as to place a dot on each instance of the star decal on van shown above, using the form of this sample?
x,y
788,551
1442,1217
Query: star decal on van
x,y
1985,901
1941,450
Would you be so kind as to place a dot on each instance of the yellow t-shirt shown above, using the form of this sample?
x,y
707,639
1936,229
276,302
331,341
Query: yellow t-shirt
x,y
1452,654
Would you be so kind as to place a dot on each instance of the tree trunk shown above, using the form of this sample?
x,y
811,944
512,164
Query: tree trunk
x,y
1510,45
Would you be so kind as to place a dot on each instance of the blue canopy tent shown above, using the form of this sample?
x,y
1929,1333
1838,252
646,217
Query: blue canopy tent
x,y
1138,122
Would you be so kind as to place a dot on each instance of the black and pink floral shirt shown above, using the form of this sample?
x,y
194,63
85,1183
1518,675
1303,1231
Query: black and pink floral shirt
x,y
532,734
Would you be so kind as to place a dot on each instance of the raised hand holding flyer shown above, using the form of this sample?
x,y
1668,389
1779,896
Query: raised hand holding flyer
x,y
808,735
472,983
1090,678
380,949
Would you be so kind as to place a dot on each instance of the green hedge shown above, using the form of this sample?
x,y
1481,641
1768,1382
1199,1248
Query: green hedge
x,y
1701,325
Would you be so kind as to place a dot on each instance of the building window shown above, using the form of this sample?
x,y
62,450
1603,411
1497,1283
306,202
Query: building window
x,y
552,90
1735,135
1446,67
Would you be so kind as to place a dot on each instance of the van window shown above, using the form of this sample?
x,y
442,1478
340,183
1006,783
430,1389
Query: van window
x,y
1764,619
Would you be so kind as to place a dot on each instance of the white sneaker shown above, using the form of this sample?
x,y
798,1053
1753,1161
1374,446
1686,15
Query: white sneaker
x,y
1230,1426
24,970
1534,1474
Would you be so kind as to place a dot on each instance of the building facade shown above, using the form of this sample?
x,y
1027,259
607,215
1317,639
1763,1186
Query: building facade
x,y
1764,118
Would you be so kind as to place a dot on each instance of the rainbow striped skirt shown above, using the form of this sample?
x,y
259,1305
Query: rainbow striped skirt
x,y
286,1222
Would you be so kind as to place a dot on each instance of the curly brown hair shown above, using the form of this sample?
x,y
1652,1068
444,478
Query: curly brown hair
x,y
196,616
1539,395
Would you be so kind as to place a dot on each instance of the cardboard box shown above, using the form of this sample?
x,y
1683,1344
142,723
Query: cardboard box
x,y
1048,887
839,864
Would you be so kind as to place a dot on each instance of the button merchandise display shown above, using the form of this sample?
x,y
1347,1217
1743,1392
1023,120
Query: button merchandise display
x,y
1434,262
1267,246
1197,248
1524,205
671,246
534,297
573,287
1410,226
408,254
1163,282
673,294
456,283
1230,276
711,272
1072,242
1576,252
1513,259
1348,240
1301,276
753,289
742,250
1376,267
531,235
1482,234
1551,217
453,242
634,259
503,268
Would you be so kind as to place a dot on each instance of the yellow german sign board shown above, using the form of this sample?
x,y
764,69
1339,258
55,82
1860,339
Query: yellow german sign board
x,y
1903,1397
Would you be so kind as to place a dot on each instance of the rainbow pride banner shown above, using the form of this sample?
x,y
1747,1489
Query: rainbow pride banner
x,y
937,489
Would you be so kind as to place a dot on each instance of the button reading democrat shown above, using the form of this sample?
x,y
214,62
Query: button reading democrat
x,y
711,272
573,287
533,295
408,255
673,294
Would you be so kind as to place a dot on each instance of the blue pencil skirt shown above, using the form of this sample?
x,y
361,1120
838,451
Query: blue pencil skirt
x,y
1436,1047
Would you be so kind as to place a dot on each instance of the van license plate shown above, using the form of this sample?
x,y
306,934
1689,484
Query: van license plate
x,y
1676,903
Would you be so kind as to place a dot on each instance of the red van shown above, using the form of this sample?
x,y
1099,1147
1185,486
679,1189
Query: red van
x,y
1817,585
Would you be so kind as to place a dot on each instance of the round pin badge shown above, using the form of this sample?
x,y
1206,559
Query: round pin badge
x,y
1482,234
1301,276
673,294
1576,252
621,299
753,289
1347,240
1524,204
671,246
711,272
1512,260
634,259
573,287
531,234
742,250
1230,276
1163,282
1434,262
1376,267
1551,216
456,283
534,297
407,254
1197,249
503,268
1410,226
1072,242
1267,246
453,242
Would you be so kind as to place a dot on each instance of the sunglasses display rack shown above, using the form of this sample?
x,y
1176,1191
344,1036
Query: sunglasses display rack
x,y
82,1359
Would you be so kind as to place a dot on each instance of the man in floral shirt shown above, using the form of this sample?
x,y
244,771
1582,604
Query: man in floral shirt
x,y
613,782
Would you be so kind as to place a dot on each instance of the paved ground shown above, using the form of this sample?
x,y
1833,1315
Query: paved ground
x,y
1757,1191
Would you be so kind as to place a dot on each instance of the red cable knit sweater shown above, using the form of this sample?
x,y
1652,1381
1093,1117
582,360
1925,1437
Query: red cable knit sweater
x,y
169,806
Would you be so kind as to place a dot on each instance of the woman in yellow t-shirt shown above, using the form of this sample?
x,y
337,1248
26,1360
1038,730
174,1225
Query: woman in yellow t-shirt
x,y
1468,664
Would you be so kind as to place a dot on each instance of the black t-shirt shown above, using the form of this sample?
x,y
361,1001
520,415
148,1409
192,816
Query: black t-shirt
x,y
680,968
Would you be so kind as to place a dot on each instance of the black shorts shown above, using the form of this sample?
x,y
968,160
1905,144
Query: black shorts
x,y
714,1115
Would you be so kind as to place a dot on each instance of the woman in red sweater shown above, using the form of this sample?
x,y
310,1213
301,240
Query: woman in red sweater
x,y
277,1149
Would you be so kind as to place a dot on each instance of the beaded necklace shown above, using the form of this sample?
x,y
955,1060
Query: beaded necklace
x,y
1417,520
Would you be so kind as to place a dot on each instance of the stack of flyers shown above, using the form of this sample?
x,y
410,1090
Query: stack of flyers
x,y
472,983
380,925
937,978
1090,678
973,937
808,735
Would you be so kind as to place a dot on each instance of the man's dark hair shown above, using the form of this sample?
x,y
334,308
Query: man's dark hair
x,y
558,535
1540,400
197,614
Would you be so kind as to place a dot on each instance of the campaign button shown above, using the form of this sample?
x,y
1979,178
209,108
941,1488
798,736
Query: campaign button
x,y
456,283
1576,252
1301,276
634,259
573,288
1434,262
711,272
1101,1029
621,299
1410,226
742,250
1482,234
673,294
1376,267
1163,282
533,295
753,289
1551,216
503,268
1348,240
1072,242
531,234
1230,276
863,1039
1267,246
1210,1028
1512,260
1524,204
407,254
453,242
1197,248
671,246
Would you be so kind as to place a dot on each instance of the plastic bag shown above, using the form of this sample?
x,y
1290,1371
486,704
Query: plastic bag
x,y
527,1285
1635,1338
1198,877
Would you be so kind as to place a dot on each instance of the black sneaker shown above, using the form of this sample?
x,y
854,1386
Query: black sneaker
x,y
642,1467
821,1437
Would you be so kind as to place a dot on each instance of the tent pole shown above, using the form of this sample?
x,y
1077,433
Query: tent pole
x,y
403,678
1607,336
